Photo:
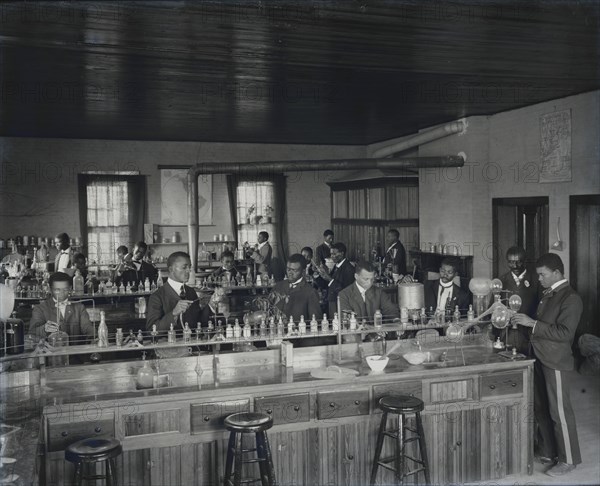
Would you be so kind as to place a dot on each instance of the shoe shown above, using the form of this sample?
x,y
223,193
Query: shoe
x,y
560,469
545,460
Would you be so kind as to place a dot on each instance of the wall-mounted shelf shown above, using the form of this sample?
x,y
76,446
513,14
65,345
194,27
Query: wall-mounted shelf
x,y
185,243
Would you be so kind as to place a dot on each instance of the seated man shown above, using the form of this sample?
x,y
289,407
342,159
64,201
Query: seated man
x,y
227,266
138,270
443,293
57,312
294,296
307,253
175,302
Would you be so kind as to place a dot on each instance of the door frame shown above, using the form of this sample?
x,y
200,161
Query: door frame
x,y
574,201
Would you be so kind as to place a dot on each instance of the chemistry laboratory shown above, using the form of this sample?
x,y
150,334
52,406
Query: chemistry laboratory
x,y
287,243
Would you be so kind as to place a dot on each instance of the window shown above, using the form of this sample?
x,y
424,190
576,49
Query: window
x,y
255,210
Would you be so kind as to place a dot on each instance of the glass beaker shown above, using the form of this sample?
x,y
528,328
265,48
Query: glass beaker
x,y
58,340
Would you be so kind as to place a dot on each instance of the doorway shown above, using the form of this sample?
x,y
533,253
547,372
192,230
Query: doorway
x,y
519,221
584,251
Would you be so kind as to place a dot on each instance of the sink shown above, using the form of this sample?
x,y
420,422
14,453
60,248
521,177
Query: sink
x,y
424,357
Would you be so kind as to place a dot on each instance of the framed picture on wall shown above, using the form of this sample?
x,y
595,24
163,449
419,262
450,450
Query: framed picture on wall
x,y
174,194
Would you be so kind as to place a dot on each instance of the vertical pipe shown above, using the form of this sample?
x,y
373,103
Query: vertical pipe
x,y
193,219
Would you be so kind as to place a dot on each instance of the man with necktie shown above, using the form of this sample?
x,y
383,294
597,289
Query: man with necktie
x,y
137,270
64,258
262,253
340,276
443,293
177,303
395,254
551,336
323,251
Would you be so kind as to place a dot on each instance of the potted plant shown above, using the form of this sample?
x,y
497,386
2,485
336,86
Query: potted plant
x,y
249,213
268,213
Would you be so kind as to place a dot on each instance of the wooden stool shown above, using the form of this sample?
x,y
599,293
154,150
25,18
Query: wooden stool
x,y
239,424
88,452
401,406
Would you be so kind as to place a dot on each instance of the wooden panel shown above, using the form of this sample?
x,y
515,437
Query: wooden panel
x,y
285,409
494,441
60,435
151,422
210,416
331,405
134,467
501,384
407,388
451,391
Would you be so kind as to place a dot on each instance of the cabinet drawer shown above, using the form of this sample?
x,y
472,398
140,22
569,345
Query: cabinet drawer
x,y
61,435
501,384
285,409
210,416
407,388
451,390
332,405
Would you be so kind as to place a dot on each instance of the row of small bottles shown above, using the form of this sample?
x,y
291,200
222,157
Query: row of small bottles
x,y
115,288
262,280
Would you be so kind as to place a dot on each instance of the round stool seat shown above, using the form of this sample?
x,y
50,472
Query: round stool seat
x,y
94,449
248,422
401,404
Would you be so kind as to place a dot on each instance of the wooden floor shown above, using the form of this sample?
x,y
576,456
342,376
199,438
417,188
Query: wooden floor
x,y
585,397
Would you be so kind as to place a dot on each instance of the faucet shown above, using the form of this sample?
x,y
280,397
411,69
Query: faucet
x,y
417,343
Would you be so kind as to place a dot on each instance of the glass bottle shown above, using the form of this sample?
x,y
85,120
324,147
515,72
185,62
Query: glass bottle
x,y
378,319
102,331
314,325
324,324
171,334
187,333
302,326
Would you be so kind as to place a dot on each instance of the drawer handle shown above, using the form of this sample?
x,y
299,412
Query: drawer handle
x,y
98,430
64,433
269,411
206,419
492,387
296,408
458,443
513,384
411,394
332,405
350,457
356,402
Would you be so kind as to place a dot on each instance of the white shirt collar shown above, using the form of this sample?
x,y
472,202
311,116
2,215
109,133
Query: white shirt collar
x,y
560,282
260,245
392,246
175,285
296,282
338,265
446,285
362,290
327,244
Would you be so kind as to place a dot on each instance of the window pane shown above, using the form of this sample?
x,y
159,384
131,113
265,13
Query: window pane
x,y
255,210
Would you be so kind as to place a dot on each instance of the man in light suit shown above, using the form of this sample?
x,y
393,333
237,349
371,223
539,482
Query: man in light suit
x,y
262,253
64,259
395,254
551,335
443,293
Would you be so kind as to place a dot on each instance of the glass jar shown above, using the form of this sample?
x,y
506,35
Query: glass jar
x,y
58,340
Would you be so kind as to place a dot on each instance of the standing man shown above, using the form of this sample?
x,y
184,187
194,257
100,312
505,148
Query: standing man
x,y
443,293
340,277
519,281
551,335
64,259
395,254
294,296
262,253
175,302
323,251
138,270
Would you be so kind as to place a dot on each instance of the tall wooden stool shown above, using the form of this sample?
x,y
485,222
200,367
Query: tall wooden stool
x,y
87,452
401,405
242,423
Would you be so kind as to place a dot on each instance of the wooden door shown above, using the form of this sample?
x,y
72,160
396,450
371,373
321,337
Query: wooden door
x,y
584,257
519,222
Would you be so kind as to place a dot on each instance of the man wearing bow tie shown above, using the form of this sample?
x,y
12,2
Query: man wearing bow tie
x,y
294,296
395,254
443,293
57,312
64,259
137,270
551,335
340,276
177,303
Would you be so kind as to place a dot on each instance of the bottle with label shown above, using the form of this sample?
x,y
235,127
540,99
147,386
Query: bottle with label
x,y
108,287
147,284
378,319
353,322
335,323
314,325
140,337
187,333
102,332
228,332
152,287
171,334
290,327
272,327
423,316
247,331
263,327
237,330
302,326
78,282
404,315
324,324
119,337
456,315
280,327
470,314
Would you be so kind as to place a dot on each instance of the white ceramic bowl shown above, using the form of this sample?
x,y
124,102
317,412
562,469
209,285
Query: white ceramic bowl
x,y
377,364
415,358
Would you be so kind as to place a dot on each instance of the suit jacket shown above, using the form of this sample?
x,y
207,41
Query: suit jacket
x,y
137,277
558,316
263,258
343,276
460,297
396,255
321,252
76,322
219,272
375,298
161,305
302,300
70,270
530,295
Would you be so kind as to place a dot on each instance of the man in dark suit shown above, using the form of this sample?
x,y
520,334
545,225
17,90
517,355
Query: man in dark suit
x,y
262,253
294,296
138,270
519,281
395,254
551,335
323,251
64,259
340,276
363,298
227,266
175,302
443,293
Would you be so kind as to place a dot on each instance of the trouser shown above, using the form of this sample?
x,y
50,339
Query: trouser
x,y
556,429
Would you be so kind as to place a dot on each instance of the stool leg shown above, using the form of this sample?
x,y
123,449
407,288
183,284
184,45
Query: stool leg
x,y
78,476
261,453
423,447
229,460
271,481
237,460
400,451
378,446
111,473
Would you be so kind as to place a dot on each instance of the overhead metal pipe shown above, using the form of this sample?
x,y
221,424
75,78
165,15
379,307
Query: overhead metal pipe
x,y
277,167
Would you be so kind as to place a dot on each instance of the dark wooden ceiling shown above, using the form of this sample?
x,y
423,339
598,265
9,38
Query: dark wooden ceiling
x,y
284,72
